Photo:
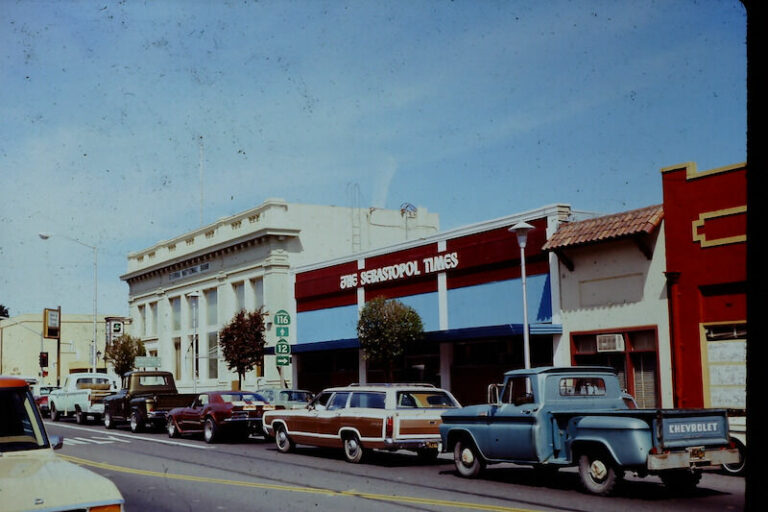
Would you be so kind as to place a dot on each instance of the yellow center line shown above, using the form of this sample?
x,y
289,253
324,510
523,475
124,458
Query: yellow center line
x,y
292,488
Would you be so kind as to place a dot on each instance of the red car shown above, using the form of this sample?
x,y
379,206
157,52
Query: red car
x,y
218,413
41,398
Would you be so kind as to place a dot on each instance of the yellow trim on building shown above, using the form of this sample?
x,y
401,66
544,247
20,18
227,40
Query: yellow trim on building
x,y
703,217
691,172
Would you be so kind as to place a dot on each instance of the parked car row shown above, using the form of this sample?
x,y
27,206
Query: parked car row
x,y
150,400
549,418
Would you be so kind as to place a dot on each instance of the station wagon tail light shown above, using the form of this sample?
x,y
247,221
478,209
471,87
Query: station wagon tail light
x,y
150,405
390,427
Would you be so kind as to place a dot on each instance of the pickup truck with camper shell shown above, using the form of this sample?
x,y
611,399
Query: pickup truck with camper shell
x,y
144,401
82,396
555,417
32,476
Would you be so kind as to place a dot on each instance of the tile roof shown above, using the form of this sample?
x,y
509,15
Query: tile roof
x,y
609,227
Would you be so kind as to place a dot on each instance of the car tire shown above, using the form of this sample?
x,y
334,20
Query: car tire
x,y
210,431
467,458
353,449
109,423
137,422
55,414
739,467
172,429
598,473
283,442
80,418
428,455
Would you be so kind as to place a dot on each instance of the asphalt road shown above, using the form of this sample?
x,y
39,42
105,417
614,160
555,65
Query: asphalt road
x,y
156,473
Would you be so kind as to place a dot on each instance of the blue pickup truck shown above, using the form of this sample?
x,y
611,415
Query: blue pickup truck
x,y
555,417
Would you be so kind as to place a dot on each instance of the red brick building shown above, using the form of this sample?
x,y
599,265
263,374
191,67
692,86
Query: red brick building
x,y
706,249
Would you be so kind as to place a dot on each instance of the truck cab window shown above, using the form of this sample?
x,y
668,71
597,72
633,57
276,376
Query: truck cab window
x,y
518,391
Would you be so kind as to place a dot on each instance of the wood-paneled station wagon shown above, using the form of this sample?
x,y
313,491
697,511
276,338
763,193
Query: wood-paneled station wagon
x,y
360,418
217,413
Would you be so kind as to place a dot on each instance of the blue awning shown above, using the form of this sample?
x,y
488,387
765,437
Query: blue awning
x,y
469,333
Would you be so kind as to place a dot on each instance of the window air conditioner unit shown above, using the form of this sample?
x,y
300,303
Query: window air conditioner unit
x,y
610,342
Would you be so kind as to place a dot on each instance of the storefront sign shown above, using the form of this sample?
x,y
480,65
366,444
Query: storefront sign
x,y
429,265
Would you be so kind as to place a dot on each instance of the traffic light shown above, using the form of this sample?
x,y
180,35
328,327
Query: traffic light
x,y
43,359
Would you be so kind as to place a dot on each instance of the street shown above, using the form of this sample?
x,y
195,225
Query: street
x,y
156,473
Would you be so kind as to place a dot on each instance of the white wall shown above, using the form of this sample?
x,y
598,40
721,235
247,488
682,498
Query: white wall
x,y
613,285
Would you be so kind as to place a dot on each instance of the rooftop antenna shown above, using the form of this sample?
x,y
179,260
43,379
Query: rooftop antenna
x,y
408,211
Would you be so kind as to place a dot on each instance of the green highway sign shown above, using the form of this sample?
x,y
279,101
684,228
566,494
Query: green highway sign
x,y
282,318
281,332
282,353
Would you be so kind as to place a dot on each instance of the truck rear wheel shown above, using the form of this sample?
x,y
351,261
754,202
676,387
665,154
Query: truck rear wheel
x,y
683,480
80,418
109,423
466,456
137,422
598,472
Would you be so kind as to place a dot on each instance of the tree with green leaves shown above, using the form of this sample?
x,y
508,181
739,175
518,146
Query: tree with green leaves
x,y
122,353
242,342
385,328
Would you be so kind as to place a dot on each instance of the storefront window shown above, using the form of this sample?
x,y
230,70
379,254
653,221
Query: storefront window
x,y
631,353
725,346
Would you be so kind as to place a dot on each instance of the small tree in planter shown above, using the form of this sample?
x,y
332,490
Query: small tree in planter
x,y
242,342
385,328
122,353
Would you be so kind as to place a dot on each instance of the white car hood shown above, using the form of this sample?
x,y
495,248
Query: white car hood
x,y
40,480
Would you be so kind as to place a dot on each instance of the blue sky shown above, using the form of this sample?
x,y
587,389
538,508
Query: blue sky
x,y
472,109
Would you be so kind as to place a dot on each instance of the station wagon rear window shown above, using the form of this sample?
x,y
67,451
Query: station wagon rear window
x,y
369,400
424,400
582,386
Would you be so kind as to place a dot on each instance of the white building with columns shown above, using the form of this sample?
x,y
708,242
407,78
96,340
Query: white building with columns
x,y
245,261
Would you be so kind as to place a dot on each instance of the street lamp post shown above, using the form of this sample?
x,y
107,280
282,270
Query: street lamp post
x,y
521,229
46,236
195,296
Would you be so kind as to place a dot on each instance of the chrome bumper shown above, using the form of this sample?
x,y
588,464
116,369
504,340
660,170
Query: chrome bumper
x,y
693,458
